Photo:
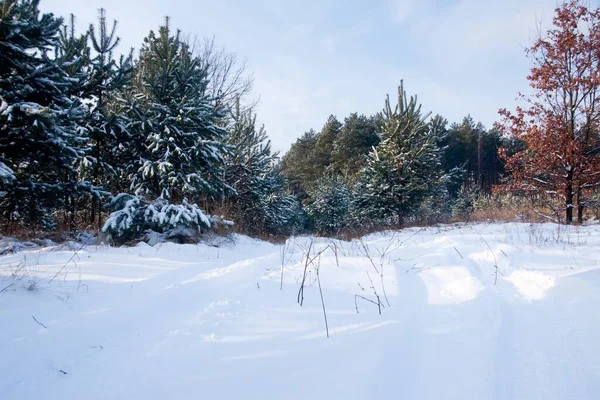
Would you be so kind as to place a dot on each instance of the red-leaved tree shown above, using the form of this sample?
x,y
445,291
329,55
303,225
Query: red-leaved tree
x,y
559,121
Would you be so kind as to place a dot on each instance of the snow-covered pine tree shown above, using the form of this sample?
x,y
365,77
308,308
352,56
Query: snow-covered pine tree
x,y
404,169
182,150
284,213
260,204
329,205
324,146
39,141
176,146
299,165
100,78
355,140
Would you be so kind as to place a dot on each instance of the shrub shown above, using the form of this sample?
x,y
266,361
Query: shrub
x,y
131,216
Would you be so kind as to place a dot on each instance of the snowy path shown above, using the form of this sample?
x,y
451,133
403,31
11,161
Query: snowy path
x,y
183,321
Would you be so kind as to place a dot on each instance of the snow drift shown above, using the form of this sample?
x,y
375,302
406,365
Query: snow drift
x,y
502,311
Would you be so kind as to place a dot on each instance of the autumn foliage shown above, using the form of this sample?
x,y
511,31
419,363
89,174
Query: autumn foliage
x,y
559,121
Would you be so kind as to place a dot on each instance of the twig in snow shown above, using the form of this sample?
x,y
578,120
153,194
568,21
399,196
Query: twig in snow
x,y
321,292
420,269
45,327
411,236
301,290
283,253
309,261
335,249
339,248
379,269
6,288
409,259
358,296
375,292
459,253
495,260
71,259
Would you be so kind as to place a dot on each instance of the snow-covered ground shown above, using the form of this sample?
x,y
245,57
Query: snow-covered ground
x,y
211,321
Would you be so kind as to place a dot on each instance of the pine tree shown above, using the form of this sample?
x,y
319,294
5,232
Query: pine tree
x,y
404,170
39,140
100,79
329,205
298,164
260,204
175,145
181,152
107,127
356,139
324,145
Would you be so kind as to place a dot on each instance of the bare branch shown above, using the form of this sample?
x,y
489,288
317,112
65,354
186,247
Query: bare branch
x,y
39,323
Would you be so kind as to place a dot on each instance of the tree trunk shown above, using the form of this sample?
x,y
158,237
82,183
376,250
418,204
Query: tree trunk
x,y
99,215
580,206
479,176
569,203
72,209
93,211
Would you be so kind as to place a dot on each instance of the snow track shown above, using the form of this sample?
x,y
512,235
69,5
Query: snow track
x,y
186,321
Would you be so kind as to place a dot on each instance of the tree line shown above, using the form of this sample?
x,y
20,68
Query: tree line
x,y
167,141
401,164
397,165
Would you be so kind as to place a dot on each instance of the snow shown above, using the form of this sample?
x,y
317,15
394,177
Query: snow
x,y
532,285
6,174
450,285
210,321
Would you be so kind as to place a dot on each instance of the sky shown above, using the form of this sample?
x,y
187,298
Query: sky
x,y
314,58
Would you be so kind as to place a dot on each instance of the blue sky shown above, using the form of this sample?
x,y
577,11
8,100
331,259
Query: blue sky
x,y
314,58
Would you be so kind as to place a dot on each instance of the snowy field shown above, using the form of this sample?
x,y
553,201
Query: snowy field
x,y
503,311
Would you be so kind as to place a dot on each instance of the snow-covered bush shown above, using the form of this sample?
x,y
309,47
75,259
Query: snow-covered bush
x,y
328,209
164,216
131,216
283,214
220,222
125,217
